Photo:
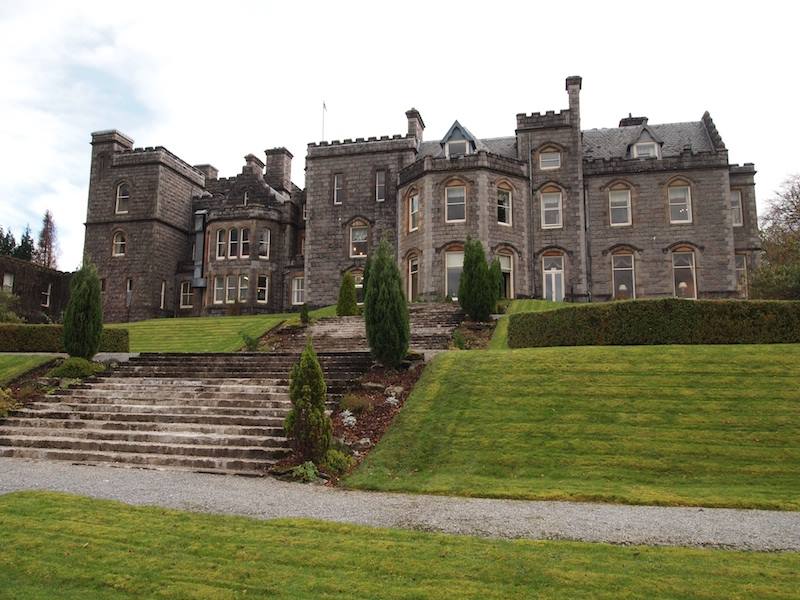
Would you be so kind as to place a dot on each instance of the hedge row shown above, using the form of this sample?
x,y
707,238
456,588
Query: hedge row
x,y
667,321
50,338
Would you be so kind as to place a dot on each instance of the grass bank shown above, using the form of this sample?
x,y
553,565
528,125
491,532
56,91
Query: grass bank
x,y
499,340
15,365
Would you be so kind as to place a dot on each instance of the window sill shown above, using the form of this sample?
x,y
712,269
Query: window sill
x,y
546,227
620,224
458,221
504,224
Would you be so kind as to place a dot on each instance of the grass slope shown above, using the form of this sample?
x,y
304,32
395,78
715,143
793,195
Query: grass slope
x,y
671,425
499,339
14,365
59,546
196,334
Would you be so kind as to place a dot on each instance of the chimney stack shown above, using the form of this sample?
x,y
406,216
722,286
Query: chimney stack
x,y
253,165
574,92
209,171
631,121
279,168
415,124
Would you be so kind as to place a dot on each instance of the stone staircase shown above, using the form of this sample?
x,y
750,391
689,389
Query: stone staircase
x,y
218,413
432,328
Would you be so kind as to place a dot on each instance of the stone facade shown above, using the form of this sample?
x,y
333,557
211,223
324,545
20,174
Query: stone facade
x,y
43,293
638,210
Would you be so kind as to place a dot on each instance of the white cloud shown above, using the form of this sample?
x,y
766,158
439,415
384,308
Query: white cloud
x,y
213,82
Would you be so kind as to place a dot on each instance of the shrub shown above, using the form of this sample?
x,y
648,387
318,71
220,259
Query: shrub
x,y
307,426
7,402
347,305
667,321
355,404
250,341
306,472
50,338
475,289
776,282
9,308
337,462
496,279
83,319
304,316
75,368
385,309
458,340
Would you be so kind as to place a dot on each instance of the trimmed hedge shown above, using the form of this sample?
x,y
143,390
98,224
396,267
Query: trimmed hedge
x,y
666,321
50,338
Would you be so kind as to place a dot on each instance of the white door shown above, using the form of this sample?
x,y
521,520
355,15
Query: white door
x,y
553,273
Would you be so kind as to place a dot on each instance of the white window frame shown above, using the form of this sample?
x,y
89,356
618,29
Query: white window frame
x,y
412,260
743,270
547,158
244,285
186,300
8,282
222,244
508,223
365,242
338,187
262,288
125,197
245,198
302,244
466,148
688,203
637,150
244,238
46,296
632,269
563,288
298,291
358,283
233,244
162,302
231,289
454,295
219,290
413,213
736,208
380,185
560,197
510,270
447,203
264,241
693,267
119,248
627,207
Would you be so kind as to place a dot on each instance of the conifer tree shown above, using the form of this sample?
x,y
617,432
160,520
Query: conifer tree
x,y
496,277
7,243
83,318
347,304
47,248
385,309
25,249
475,289
307,426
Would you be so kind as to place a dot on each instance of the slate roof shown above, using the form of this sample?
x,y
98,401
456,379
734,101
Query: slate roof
x,y
504,146
615,142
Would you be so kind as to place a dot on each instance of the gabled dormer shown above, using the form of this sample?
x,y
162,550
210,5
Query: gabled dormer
x,y
458,141
645,143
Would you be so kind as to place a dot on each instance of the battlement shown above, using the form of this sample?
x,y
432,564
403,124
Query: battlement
x,y
745,169
480,160
158,155
547,120
384,143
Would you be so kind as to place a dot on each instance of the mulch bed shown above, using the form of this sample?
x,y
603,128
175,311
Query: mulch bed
x,y
476,335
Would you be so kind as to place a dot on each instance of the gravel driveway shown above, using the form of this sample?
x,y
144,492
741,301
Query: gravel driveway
x,y
268,498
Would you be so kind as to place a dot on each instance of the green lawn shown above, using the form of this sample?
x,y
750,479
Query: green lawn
x,y
14,365
672,425
499,339
196,334
59,546
318,313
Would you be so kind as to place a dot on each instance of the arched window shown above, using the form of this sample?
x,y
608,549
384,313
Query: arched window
x,y
551,200
233,243
623,275
245,242
619,205
684,276
553,276
454,266
119,244
504,203
413,212
413,278
359,235
221,243
123,197
680,202
263,243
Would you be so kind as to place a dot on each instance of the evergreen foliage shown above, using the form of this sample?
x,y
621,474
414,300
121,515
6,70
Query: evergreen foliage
x,y
47,247
25,249
7,243
496,277
83,319
365,278
347,305
475,290
9,308
385,309
305,318
307,426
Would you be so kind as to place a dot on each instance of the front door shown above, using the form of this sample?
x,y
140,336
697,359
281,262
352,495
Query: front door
x,y
553,271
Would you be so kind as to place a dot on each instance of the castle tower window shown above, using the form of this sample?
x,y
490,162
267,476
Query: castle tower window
x,y
262,289
245,242
413,278
244,287
263,243
413,213
454,265
123,198
551,210
553,277
219,289
46,296
645,150
507,271
619,207
380,185
741,275
736,208
623,276
233,243
186,294
119,244
298,290
245,198
680,204
549,160
162,303
683,274
457,148
504,206
338,188
358,240
230,289
128,292
221,243
456,200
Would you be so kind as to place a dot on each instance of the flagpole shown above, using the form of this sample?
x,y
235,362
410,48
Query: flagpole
x,y
324,110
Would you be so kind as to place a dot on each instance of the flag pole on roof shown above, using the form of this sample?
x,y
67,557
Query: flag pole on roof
x,y
324,110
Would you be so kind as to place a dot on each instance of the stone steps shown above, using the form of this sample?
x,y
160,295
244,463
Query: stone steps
x,y
273,429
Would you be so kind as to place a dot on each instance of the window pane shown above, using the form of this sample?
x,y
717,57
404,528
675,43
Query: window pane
x,y
221,243
455,148
455,263
245,242
456,197
553,263
261,288
623,261
358,241
455,259
505,262
244,286
263,243
549,160
682,259
359,234
219,290
736,207
503,206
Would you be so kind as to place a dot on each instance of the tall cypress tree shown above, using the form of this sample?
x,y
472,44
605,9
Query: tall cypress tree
x,y
475,289
83,318
385,309
496,279
47,247
347,304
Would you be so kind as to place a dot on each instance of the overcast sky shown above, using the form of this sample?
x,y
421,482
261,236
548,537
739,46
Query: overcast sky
x,y
215,81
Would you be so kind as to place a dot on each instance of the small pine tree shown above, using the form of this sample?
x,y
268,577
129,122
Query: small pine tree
x,y
25,249
475,289
347,304
83,318
385,309
305,318
307,426
7,243
496,278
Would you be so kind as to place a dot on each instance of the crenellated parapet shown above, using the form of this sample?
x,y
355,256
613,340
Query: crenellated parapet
x,y
480,160
161,156
549,120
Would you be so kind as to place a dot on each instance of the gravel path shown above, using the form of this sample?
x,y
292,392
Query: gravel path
x,y
268,498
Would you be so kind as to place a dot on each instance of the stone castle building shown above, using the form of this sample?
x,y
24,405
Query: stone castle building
x,y
634,211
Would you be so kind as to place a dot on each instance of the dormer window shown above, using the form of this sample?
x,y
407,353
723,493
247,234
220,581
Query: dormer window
x,y
457,148
645,150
